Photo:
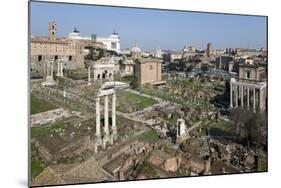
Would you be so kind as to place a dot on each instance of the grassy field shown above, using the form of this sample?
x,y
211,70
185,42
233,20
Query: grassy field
x,y
221,128
36,165
41,131
38,105
149,136
78,74
137,102
262,166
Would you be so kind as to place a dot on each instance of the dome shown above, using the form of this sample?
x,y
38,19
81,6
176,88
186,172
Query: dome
x,y
136,49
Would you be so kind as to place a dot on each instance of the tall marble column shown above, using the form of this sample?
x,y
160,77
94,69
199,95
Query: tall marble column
x,y
248,97
260,99
98,120
106,130
89,76
242,95
236,96
61,70
47,69
58,68
231,105
254,102
52,69
114,130
44,68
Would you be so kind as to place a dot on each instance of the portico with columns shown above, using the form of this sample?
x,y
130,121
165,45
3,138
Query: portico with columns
x,y
251,95
108,136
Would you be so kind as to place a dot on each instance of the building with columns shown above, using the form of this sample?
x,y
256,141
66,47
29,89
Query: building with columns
x,y
249,90
108,136
112,42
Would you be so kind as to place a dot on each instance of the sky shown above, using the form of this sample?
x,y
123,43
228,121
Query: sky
x,y
151,28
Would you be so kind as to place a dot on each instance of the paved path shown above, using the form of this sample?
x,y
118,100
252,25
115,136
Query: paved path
x,y
194,126
145,95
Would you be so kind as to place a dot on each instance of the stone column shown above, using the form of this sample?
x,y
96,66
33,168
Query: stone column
x,y
231,105
47,69
114,130
52,69
58,69
97,121
254,102
248,97
44,68
242,95
106,130
61,72
236,96
89,76
260,99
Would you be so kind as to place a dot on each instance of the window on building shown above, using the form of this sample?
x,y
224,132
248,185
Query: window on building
x,y
70,58
248,74
113,45
151,67
39,58
56,57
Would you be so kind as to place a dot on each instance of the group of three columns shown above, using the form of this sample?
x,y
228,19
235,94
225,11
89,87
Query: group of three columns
x,y
107,136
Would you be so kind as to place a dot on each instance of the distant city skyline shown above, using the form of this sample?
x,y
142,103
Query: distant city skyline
x,y
152,28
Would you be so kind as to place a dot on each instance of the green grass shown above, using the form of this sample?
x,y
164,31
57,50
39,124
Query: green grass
x,y
37,166
41,131
225,126
263,166
127,79
220,128
77,74
138,102
149,136
38,105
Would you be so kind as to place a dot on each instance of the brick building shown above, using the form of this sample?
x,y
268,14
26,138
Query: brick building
x,y
148,71
70,51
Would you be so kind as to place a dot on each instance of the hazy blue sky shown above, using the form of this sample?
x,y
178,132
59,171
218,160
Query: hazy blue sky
x,y
152,28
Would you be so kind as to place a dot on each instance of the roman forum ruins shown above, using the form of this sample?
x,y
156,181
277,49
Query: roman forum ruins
x,y
250,88
107,137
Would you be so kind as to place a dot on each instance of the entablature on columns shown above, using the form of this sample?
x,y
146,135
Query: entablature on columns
x,y
102,93
250,85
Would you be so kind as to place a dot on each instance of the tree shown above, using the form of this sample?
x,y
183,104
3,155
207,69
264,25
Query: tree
x,y
204,67
252,125
181,64
239,116
134,82
255,130
172,66
189,68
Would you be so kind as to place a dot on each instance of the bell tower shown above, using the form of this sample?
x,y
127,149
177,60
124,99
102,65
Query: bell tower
x,y
52,30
